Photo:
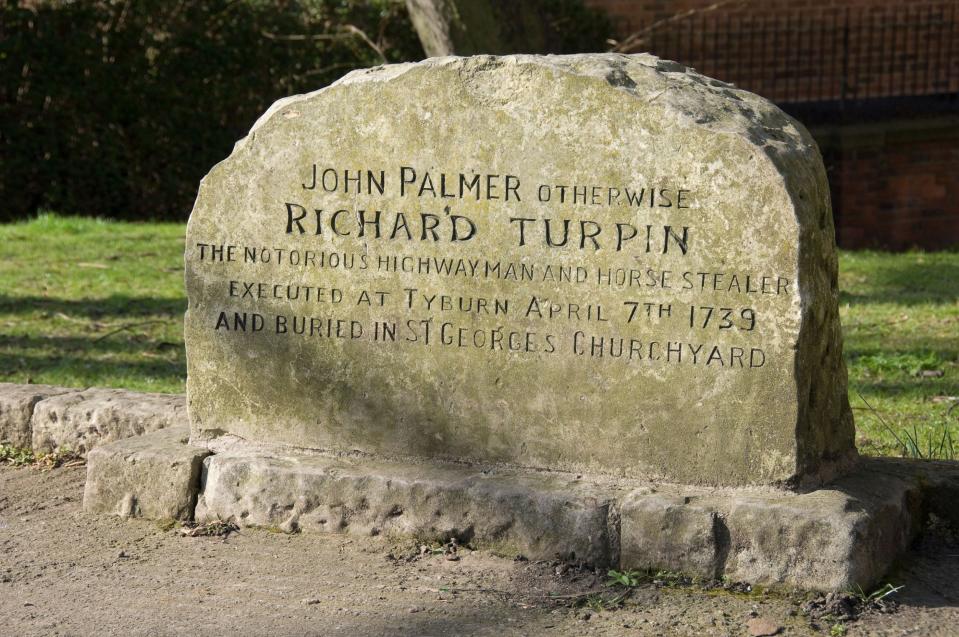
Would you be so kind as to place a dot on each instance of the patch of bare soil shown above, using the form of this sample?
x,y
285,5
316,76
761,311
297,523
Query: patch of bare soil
x,y
66,573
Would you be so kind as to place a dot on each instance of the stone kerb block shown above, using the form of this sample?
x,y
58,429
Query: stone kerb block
x,y
833,538
17,403
605,263
81,420
539,516
155,476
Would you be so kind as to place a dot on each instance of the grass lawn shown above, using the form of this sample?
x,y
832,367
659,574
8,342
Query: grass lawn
x,y
86,302
900,320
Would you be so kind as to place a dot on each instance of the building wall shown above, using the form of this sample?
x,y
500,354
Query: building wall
x,y
895,185
876,81
802,50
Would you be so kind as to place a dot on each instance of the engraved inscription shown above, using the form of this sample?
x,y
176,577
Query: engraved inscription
x,y
324,233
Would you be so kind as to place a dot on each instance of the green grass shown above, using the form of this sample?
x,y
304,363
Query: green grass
x,y
85,302
900,318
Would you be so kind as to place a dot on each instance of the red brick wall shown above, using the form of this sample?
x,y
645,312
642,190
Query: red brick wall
x,y
803,50
895,185
895,181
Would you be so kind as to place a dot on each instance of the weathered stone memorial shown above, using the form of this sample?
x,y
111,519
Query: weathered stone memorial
x,y
560,305
600,264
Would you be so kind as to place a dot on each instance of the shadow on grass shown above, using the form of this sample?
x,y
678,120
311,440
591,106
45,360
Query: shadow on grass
x,y
918,390
117,360
106,342
115,305
90,370
926,354
908,284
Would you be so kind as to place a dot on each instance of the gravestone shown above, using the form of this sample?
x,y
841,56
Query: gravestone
x,y
597,263
559,307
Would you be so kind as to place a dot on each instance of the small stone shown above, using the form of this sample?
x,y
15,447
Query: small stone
x,y
762,627
310,601
121,554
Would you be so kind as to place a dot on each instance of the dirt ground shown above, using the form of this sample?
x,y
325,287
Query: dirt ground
x,y
66,573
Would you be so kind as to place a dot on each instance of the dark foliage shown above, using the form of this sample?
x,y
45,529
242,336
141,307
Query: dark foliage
x,y
118,108
567,26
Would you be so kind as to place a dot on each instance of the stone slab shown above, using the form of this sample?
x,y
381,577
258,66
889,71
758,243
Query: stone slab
x,y
466,278
155,476
539,516
17,402
846,534
663,531
81,420
834,538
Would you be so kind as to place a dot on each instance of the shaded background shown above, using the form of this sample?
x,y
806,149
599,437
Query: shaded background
x,y
117,108
875,81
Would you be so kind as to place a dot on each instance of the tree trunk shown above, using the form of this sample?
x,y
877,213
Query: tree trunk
x,y
471,27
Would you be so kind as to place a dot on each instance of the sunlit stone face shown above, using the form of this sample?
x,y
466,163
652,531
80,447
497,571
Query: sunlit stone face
x,y
588,263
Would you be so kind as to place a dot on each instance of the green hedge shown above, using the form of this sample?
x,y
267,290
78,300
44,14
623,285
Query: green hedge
x,y
118,108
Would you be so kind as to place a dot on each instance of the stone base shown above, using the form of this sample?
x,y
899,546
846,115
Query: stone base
x,y
45,418
536,515
155,476
834,538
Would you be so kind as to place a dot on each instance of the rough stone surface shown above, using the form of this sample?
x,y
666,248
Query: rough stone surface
x,y
16,409
479,341
763,627
154,476
541,517
660,531
81,420
834,538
